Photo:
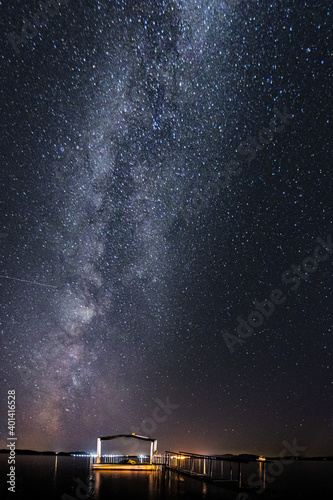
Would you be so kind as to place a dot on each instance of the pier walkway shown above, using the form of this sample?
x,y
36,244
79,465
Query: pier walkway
x,y
226,472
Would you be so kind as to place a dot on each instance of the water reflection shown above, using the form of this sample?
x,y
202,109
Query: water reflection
x,y
154,485
55,475
139,485
69,478
262,474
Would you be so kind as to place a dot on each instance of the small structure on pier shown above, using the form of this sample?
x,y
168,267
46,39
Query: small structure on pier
x,y
125,464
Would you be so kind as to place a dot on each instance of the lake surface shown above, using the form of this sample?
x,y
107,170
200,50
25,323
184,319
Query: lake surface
x,y
70,478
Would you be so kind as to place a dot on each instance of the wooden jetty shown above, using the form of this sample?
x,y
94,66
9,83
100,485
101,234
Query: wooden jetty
x,y
221,471
225,472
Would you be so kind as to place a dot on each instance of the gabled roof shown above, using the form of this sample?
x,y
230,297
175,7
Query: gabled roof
x,y
144,438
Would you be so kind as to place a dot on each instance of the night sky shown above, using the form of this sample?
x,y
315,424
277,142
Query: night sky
x,y
166,223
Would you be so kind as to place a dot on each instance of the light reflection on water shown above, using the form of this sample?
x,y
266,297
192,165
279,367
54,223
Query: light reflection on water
x,y
154,485
69,478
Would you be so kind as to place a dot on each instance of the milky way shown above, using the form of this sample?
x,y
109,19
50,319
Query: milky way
x,y
135,228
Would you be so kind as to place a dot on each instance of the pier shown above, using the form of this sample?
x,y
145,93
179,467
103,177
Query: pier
x,y
222,471
225,472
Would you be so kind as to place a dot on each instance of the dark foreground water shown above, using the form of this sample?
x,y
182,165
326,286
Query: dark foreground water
x,y
69,478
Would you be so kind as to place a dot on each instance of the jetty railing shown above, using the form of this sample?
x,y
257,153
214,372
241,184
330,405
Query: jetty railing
x,y
139,459
225,471
116,459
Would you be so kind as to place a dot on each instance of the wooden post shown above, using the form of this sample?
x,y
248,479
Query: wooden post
x,y
239,475
151,452
99,450
263,480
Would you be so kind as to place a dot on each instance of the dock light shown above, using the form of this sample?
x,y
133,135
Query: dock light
x,y
261,459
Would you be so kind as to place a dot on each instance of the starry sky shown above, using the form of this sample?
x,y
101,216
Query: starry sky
x,y
165,173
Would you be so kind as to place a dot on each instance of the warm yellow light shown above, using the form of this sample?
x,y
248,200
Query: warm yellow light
x,y
261,459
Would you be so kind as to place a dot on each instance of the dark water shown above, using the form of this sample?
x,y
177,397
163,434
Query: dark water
x,y
69,478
